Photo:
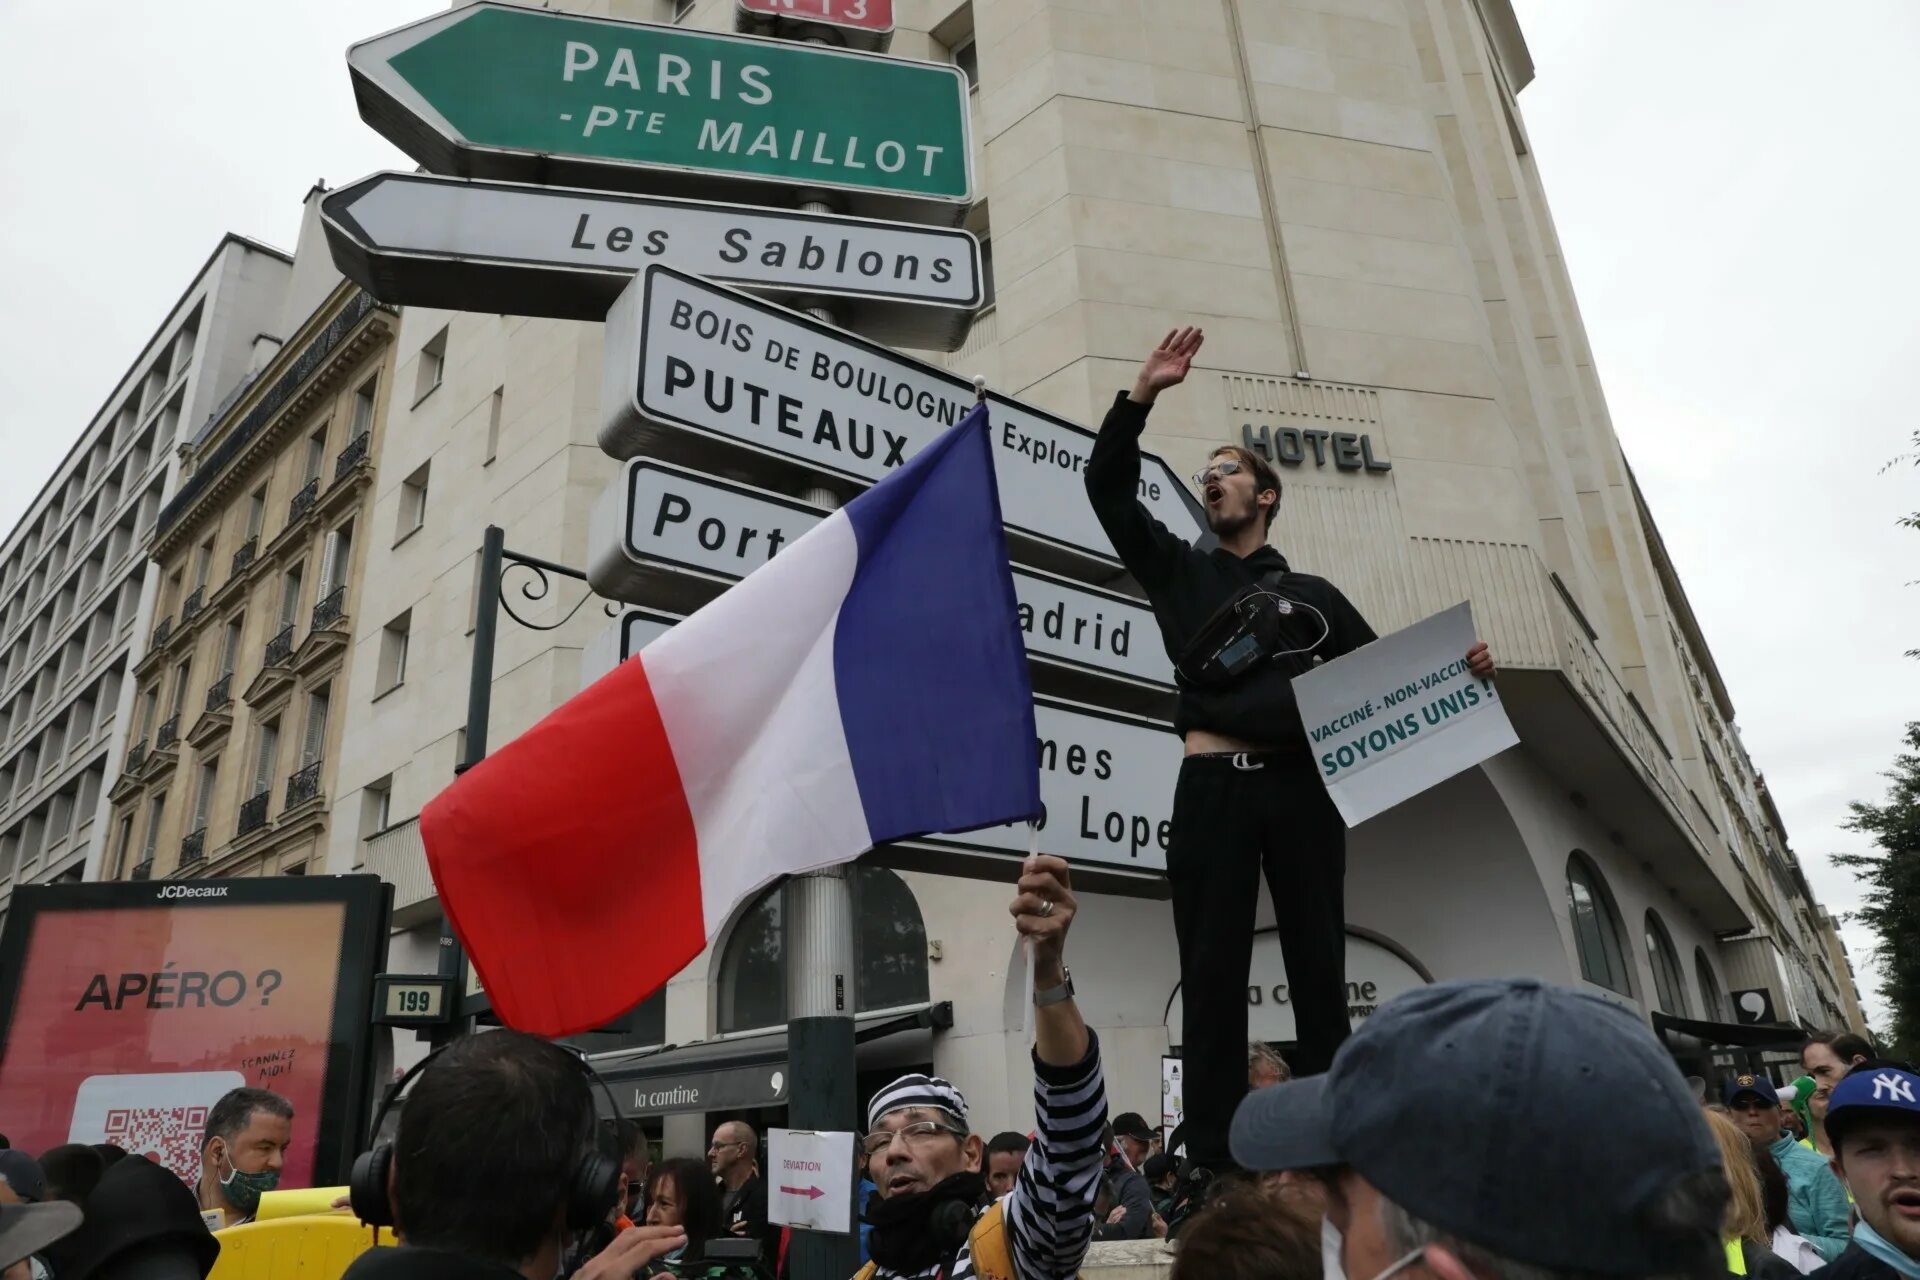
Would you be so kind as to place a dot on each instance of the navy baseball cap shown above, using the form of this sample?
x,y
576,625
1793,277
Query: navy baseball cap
x,y
1744,1086
23,1173
1541,1124
1869,1091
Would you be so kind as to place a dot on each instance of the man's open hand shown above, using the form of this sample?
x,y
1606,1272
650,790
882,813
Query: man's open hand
x,y
630,1252
1167,364
1480,661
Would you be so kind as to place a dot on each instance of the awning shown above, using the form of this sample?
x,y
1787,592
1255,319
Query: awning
x,y
733,1074
1676,1033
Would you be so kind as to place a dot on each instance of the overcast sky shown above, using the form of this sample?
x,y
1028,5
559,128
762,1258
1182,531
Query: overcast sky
x,y
1732,185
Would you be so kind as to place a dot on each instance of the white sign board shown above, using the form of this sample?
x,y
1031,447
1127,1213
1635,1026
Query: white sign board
x,y
421,240
656,517
1173,1104
736,370
1375,975
1106,780
625,636
810,1179
1389,720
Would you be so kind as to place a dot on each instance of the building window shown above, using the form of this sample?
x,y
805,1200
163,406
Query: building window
x,y
1713,1004
290,595
1596,927
493,424
256,511
335,558
203,798
1669,991
889,954
316,454
433,366
966,56
362,410
122,846
413,503
155,809
181,674
393,653
376,807
230,643
203,566
266,756
315,742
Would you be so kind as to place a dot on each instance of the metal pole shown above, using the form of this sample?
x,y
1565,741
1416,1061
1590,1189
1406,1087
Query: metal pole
x,y
818,908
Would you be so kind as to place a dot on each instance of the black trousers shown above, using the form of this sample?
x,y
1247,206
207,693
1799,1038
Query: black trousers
x,y
1229,822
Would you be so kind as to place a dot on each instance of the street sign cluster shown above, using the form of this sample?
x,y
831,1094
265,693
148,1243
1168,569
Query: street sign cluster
x,y
716,197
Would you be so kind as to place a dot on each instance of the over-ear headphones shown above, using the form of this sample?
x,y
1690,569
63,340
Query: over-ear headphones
x,y
591,1190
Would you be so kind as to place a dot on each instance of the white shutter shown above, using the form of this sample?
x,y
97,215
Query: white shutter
x,y
316,729
208,772
263,763
327,559
289,597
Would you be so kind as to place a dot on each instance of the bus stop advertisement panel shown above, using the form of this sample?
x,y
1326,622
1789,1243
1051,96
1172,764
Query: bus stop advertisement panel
x,y
128,1008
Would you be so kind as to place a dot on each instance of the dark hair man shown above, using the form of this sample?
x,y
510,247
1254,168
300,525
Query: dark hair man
x,y
73,1170
1829,1055
242,1151
1246,1235
1873,1118
1456,1132
1816,1202
1248,793
1005,1154
484,1161
932,1216
734,1157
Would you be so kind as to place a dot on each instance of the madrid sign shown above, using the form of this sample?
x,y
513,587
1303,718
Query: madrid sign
x,y
492,90
698,371
658,526
862,24
467,245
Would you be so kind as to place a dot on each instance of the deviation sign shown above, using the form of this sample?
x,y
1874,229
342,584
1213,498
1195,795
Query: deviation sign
x,y
863,24
466,245
492,90
698,370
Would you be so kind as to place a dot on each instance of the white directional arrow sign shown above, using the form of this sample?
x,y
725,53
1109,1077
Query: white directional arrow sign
x,y
417,240
656,523
695,371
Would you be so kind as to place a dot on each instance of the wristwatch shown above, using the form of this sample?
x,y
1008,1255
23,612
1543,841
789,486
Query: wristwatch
x,y
1054,995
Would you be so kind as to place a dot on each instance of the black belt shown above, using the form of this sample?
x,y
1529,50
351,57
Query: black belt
x,y
1244,761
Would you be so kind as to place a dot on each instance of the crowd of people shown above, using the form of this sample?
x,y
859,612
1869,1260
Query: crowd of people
x,y
1478,1130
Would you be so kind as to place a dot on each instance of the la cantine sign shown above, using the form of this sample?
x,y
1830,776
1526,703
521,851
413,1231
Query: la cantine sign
x,y
1377,971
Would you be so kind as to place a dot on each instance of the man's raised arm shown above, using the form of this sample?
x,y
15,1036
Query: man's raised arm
x,y
1146,546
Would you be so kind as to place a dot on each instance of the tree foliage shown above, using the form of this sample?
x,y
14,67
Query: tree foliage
x,y
1890,881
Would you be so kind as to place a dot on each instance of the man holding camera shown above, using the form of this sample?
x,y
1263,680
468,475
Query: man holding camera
x,y
1239,624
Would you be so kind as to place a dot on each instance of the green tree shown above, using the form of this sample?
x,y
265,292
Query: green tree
x,y
1890,880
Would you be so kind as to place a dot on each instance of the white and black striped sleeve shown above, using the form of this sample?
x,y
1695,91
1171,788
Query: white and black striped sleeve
x,y
1049,1212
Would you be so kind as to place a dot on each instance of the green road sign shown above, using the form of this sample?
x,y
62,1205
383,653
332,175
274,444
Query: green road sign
x,y
497,91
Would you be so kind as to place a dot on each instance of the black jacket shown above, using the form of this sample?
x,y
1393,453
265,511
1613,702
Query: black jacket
x,y
408,1263
1130,1192
1186,587
1856,1264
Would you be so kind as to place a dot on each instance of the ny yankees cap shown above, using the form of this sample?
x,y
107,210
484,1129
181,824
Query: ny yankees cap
x,y
1868,1091
1544,1125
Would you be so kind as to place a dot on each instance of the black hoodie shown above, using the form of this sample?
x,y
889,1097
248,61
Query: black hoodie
x,y
1187,586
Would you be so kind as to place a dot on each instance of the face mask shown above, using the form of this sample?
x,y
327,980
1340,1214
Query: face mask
x,y
1332,1268
243,1190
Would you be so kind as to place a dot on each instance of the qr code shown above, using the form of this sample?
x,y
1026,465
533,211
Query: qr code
x,y
168,1136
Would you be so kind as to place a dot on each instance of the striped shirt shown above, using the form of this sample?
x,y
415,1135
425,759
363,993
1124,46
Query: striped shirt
x,y
1049,1212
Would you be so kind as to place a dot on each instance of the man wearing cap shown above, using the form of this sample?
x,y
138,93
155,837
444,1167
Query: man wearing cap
x,y
1873,1117
1131,1217
1458,1131
933,1215
1816,1202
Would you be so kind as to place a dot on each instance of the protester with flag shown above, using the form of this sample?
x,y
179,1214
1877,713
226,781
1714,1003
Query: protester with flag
x,y
869,684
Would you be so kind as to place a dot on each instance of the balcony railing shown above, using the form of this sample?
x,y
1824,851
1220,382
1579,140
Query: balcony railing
x,y
142,870
191,606
350,457
280,648
194,847
332,607
244,554
220,693
169,733
137,756
303,501
253,814
163,631
304,785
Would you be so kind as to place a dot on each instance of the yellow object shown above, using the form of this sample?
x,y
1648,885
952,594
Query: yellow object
x,y
1736,1258
986,1245
304,1246
294,1203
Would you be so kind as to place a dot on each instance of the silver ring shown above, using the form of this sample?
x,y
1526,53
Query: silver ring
x,y
1046,906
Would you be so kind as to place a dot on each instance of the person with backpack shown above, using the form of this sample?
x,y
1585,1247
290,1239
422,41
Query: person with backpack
x,y
933,1215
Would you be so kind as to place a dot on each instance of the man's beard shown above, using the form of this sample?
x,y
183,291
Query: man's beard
x,y
1226,524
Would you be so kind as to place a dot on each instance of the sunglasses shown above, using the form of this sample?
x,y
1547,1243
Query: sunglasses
x,y
1224,467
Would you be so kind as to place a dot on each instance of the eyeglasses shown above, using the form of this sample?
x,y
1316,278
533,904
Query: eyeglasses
x,y
722,1146
914,1133
1224,467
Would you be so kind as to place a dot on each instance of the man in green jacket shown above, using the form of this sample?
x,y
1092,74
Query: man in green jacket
x,y
1816,1202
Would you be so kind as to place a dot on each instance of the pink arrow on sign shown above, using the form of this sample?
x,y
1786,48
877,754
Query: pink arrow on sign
x,y
811,1193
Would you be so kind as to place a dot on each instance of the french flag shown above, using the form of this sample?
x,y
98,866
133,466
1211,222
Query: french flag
x,y
867,684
